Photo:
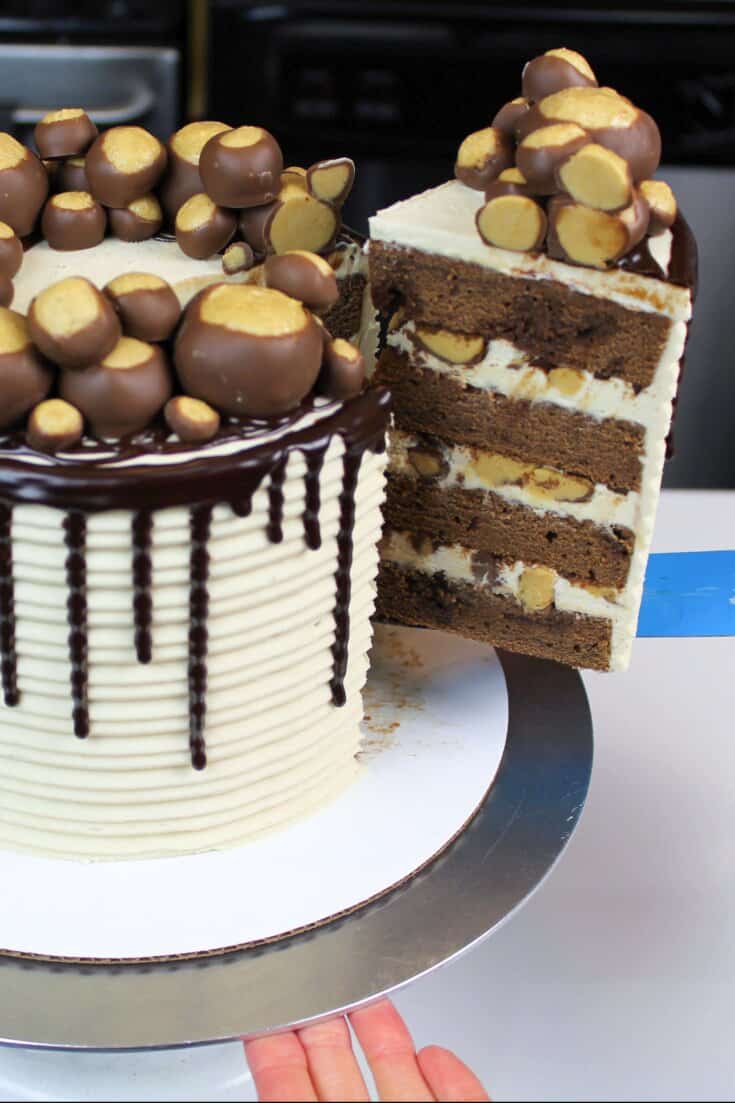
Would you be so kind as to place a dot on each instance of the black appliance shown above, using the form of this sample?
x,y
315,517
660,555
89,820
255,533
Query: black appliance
x,y
397,84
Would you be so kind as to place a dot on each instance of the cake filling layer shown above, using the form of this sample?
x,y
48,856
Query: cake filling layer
x,y
543,490
541,433
435,601
508,370
483,520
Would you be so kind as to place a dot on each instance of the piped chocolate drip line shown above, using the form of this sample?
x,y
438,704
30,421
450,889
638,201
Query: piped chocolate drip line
x,y
8,659
142,576
75,525
275,500
312,530
340,647
200,524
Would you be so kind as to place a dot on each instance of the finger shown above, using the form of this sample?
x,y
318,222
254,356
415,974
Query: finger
x,y
334,1071
449,1078
390,1052
280,1071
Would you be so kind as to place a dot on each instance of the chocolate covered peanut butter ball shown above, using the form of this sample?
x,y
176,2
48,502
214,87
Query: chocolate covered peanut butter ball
x,y
54,425
203,228
24,185
242,167
68,132
140,220
72,323
304,276
147,305
73,220
248,350
122,393
123,164
343,370
182,178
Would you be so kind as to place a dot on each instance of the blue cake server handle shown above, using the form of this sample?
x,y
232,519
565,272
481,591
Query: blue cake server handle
x,y
689,594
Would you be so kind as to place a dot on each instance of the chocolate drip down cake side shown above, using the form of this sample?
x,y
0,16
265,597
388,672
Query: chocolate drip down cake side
x,y
538,309
191,481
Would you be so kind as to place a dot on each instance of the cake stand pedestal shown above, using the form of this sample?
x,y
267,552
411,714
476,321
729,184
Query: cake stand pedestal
x,y
503,854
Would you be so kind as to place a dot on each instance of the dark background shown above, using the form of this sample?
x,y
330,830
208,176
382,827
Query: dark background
x,y
397,85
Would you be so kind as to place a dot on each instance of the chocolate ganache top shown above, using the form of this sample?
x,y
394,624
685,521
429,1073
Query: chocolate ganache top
x,y
150,469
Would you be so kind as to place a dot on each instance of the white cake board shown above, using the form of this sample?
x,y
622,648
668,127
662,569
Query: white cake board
x,y
435,729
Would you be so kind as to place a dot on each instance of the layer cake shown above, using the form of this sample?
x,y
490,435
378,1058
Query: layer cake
x,y
191,480
537,324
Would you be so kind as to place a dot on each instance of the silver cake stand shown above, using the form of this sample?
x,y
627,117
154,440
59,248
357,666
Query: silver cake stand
x,y
505,852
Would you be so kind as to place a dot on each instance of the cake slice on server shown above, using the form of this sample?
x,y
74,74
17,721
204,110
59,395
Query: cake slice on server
x,y
538,312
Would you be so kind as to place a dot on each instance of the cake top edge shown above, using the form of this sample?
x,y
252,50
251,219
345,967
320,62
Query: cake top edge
x,y
138,472
442,221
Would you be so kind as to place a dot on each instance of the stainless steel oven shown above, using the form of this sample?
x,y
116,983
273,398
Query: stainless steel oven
x,y
122,60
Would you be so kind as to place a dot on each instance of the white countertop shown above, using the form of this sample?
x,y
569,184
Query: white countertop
x,y
615,981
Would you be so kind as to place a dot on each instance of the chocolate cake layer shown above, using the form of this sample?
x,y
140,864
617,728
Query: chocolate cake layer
x,y
579,550
606,451
554,325
343,319
433,601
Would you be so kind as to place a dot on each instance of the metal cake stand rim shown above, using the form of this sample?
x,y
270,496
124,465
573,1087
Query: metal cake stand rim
x,y
464,894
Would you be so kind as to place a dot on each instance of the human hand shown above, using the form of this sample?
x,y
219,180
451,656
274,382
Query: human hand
x,y
317,1063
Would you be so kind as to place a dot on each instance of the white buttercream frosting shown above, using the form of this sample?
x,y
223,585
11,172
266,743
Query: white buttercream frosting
x,y
507,370
442,221
276,744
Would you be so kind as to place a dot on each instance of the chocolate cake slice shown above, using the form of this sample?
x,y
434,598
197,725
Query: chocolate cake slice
x,y
534,345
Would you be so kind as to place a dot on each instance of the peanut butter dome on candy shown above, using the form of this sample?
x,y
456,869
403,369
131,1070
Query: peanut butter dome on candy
x,y
24,185
73,324
65,133
24,377
147,305
123,164
267,348
122,393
